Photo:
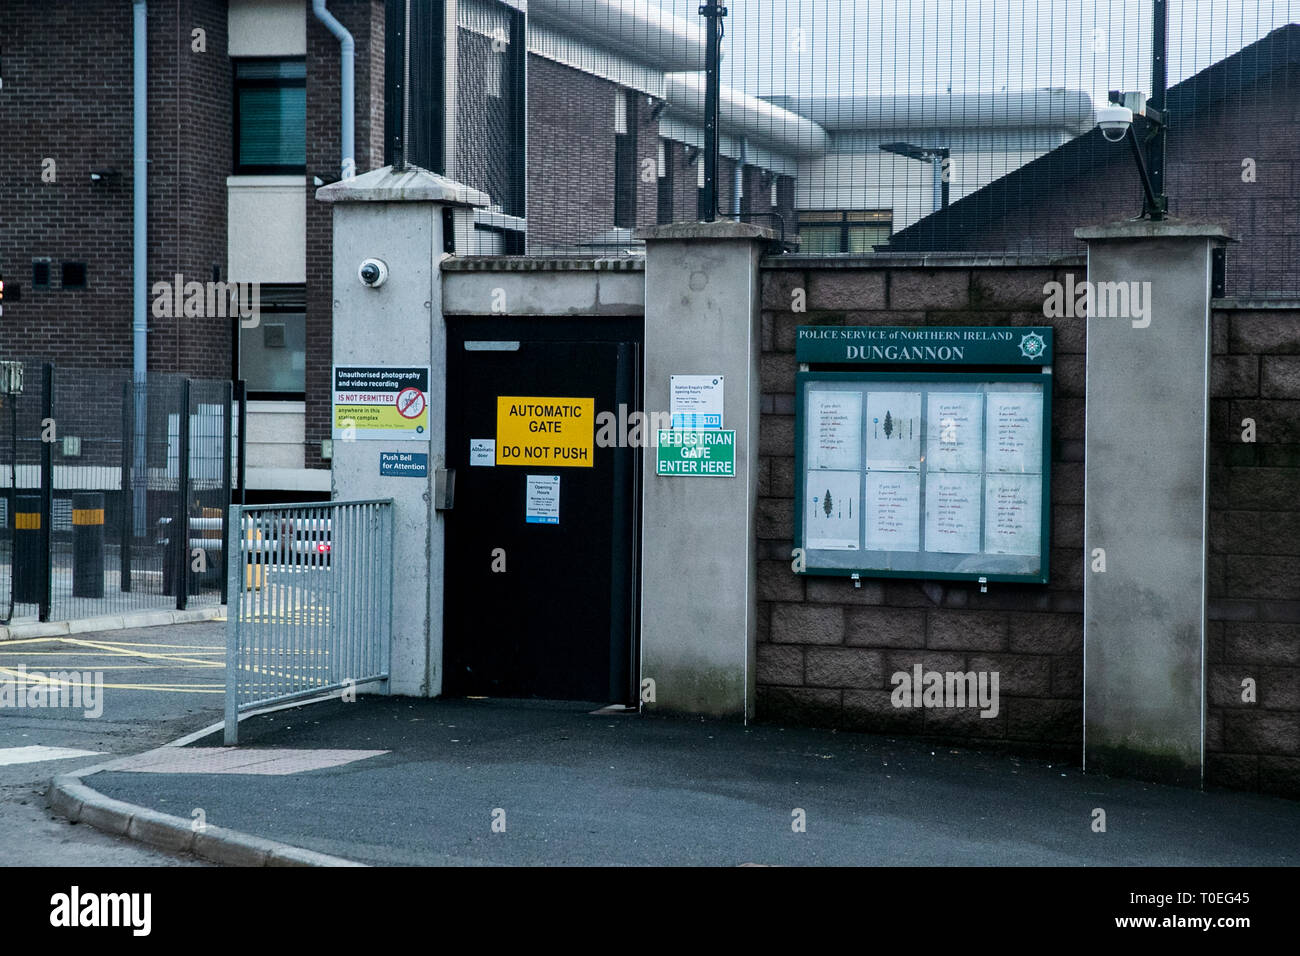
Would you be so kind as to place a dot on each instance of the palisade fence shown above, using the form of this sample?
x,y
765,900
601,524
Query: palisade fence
x,y
96,472
311,602
880,127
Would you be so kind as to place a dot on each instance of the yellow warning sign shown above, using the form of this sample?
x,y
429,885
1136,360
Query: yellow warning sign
x,y
557,432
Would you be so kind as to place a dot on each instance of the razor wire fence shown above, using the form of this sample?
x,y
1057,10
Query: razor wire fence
x,y
878,127
96,471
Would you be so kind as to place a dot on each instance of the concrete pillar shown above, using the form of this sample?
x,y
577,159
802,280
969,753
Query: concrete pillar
x,y
397,216
1145,496
698,577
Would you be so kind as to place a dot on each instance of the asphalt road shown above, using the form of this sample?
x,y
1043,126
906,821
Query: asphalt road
x,y
158,684
574,787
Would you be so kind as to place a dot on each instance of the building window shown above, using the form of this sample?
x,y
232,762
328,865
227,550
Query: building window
x,y
273,354
835,231
664,211
625,178
271,116
73,275
776,197
40,273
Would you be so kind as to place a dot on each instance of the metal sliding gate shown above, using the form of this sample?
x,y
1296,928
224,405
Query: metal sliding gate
x,y
310,606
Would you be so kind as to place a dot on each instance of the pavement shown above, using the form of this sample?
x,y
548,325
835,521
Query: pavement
x,y
158,683
400,781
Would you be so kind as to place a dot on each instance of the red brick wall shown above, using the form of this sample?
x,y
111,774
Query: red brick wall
x,y
826,649
1254,561
570,154
68,96
190,145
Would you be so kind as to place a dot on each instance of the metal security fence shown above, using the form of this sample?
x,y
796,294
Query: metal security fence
x,y
310,601
97,470
867,127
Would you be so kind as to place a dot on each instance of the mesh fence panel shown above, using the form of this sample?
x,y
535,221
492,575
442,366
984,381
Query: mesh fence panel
x,y
868,127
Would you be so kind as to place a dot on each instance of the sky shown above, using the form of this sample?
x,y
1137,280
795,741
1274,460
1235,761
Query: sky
x,y
820,46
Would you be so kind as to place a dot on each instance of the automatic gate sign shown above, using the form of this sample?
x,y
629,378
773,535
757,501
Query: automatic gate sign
x,y
558,432
381,403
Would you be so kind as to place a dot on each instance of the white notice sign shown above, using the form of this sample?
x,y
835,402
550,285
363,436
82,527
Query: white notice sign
x,y
893,509
483,452
1012,514
954,439
832,510
834,430
952,513
695,401
894,431
542,499
1013,434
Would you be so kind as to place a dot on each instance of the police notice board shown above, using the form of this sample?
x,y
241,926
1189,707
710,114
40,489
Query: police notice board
x,y
923,452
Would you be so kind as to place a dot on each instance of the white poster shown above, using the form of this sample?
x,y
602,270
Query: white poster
x,y
1013,441
832,511
1012,514
893,511
894,431
954,425
483,452
542,499
695,401
834,430
952,513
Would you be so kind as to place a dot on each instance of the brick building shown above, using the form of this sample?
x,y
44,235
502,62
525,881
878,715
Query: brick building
x,y
244,125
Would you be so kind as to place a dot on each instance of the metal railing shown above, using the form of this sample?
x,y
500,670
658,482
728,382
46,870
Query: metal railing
x,y
310,602
95,469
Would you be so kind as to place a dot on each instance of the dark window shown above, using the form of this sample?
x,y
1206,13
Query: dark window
x,y
74,275
834,231
273,354
665,197
40,273
271,116
625,170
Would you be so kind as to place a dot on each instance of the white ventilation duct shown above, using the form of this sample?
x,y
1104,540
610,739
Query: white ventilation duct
x,y
632,28
1054,109
740,114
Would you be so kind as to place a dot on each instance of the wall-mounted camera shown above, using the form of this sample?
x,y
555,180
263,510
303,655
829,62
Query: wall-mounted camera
x,y
372,273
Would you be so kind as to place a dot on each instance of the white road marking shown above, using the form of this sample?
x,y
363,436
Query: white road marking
x,y
36,754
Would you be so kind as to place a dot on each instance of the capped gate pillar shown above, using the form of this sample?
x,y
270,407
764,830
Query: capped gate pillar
x,y
396,216
698,577
1145,515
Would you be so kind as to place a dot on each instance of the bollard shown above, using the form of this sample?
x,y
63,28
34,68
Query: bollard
x,y
27,549
88,544
253,570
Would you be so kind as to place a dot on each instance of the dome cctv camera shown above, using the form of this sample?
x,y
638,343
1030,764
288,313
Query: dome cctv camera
x,y
372,273
1114,122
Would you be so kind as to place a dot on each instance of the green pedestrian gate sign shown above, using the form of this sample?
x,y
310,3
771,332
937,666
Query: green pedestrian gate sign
x,y
699,453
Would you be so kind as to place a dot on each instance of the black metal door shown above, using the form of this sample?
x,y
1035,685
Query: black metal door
x,y
540,595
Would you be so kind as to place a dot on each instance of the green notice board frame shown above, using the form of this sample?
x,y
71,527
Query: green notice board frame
x,y
963,497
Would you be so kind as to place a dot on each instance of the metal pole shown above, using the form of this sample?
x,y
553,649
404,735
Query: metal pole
x,y
126,530
713,14
181,528
226,451
1159,83
241,393
47,491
